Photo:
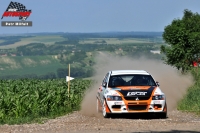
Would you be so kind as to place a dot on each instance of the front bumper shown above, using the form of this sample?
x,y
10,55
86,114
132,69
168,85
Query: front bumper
x,y
137,106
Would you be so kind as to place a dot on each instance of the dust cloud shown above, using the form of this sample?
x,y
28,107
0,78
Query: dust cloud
x,y
172,83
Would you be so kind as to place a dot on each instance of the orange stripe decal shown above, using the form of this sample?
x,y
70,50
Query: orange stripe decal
x,y
165,108
107,108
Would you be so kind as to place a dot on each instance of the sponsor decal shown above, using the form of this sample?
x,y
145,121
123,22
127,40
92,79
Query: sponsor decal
x,y
136,93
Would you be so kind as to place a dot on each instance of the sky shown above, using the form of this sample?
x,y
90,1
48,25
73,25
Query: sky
x,y
86,16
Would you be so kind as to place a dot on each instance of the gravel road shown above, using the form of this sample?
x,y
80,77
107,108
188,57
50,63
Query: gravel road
x,y
79,123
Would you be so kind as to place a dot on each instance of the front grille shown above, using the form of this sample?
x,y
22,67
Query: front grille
x,y
116,106
137,107
134,98
140,103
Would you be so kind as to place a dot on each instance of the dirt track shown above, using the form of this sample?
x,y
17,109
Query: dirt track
x,y
78,123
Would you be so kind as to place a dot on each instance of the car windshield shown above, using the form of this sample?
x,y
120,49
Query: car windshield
x,y
131,80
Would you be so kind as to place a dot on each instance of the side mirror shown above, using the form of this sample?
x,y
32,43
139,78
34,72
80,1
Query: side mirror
x,y
104,84
157,83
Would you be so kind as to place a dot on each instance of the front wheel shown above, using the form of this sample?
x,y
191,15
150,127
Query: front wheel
x,y
161,115
105,114
98,106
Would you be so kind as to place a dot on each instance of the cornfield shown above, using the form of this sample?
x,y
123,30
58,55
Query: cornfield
x,y
26,100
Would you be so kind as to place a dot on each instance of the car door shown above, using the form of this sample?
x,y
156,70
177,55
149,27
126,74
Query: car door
x,y
104,86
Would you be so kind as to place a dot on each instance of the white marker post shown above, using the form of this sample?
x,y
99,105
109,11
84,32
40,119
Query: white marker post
x,y
68,80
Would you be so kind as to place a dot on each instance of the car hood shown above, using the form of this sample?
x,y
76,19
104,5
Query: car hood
x,y
132,87
139,91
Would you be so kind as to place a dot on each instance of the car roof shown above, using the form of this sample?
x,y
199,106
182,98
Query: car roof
x,y
120,72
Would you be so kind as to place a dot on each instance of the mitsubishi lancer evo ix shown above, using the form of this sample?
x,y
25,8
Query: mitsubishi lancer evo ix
x,y
130,91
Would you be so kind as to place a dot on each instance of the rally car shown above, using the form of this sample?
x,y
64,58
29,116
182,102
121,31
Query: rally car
x,y
130,91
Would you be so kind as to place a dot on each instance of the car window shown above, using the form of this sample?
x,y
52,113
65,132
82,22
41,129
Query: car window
x,y
131,80
105,78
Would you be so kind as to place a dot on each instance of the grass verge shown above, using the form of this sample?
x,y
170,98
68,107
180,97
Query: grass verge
x,y
191,101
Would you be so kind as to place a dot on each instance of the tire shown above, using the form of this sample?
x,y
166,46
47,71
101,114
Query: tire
x,y
105,114
98,106
161,115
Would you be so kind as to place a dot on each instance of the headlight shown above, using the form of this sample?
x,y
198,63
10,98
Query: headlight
x,y
114,98
158,97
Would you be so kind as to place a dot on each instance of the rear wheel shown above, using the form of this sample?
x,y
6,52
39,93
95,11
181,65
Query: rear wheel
x,y
105,114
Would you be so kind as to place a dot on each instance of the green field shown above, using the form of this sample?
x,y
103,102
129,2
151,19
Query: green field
x,y
115,40
25,101
28,65
47,39
2,41
36,57
51,39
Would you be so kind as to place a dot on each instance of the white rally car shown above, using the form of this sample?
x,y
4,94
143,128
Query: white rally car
x,y
130,91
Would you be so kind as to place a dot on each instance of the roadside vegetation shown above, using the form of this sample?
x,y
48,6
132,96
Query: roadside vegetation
x,y
33,100
191,101
182,52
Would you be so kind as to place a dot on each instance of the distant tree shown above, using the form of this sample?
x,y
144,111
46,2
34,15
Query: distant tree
x,y
51,75
183,39
90,62
62,72
29,76
77,72
10,77
32,49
